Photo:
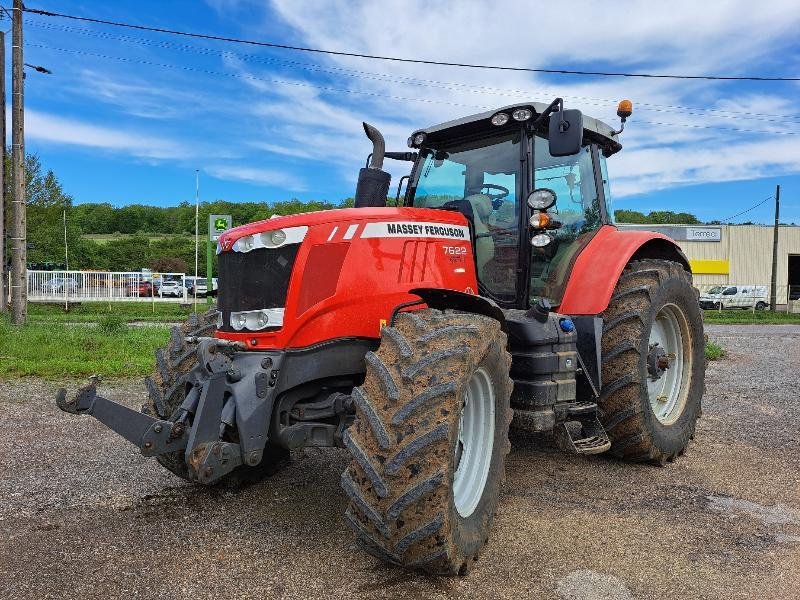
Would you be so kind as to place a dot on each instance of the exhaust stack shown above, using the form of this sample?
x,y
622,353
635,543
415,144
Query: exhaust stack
x,y
373,182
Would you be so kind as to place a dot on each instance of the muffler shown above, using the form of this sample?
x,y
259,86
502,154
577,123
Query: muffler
x,y
373,182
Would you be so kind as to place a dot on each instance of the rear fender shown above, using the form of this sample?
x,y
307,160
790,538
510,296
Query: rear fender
x,y
599,266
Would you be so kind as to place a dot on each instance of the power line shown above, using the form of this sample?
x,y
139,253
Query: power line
x,y
451,86
220,38
254,78
326,88
749,209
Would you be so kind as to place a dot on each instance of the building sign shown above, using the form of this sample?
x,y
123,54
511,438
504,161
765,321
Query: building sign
x,y
703,234
217,224
682,233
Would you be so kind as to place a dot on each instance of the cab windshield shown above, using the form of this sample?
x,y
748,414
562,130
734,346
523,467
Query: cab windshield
x,y
484,179
480,179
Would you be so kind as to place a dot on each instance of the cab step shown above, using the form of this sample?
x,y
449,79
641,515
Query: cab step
x,y
582,432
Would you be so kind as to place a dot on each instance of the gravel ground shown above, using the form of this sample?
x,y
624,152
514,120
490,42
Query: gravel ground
x,y
83,515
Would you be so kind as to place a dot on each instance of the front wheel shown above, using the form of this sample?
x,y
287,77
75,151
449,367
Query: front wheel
x,y
429,441
653,362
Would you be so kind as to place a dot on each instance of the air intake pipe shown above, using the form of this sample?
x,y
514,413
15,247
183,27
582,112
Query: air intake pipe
x,y
373,181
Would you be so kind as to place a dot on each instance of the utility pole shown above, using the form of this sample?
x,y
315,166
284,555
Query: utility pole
x,y
19,284
773,296
3,292
196,232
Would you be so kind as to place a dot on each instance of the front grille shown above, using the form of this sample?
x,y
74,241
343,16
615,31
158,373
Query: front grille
x,y
254,280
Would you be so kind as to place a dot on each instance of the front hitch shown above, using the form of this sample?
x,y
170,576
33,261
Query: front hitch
x,y
152,436
218,396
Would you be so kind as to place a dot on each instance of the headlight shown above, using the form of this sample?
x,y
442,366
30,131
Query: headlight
x,y
273,239
500,119
419,139
255,320
522,114
270,239
541,240
541,199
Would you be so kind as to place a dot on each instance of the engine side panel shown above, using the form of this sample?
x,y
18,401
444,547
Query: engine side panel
x,y
356,265
599,266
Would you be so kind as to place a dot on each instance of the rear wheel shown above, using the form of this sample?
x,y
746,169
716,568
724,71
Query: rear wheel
x,y
166,389
653,362
429,441
761,306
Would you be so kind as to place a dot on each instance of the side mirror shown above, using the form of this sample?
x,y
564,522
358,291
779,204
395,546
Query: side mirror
x,y
565,132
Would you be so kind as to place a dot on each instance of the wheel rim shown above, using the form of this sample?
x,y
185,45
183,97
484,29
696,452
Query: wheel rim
x,y
669,364
475,442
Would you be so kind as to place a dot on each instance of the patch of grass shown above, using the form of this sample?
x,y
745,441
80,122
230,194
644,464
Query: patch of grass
x,y
112,324
714,351
104,238
56,350
743,317
164,312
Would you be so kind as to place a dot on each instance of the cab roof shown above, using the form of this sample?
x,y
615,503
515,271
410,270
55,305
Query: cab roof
x,y
480,124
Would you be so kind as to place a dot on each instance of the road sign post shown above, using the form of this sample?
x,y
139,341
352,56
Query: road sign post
x,y
217,224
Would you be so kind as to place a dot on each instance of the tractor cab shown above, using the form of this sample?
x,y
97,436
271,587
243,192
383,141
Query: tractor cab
x,y
532,204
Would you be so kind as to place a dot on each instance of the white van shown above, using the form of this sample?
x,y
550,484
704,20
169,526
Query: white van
x,y
735,296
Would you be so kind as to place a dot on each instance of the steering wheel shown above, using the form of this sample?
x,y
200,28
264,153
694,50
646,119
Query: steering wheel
x,y
497,199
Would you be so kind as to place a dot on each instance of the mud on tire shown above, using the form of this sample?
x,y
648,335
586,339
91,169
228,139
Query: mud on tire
x,y
644,288
404,441
166,389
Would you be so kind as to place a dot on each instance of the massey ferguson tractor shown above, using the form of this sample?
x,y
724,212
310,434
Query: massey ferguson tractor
x,y
497,292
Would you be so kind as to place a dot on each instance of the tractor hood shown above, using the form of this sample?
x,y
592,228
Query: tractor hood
x,y
341,218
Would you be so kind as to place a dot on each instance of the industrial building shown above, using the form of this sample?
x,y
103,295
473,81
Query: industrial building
x,y
738,254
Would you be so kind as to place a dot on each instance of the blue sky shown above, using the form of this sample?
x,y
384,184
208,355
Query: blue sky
x,y
127,116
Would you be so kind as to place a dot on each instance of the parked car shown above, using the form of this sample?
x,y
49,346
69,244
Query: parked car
x,y
735,296
171,288
143,289
59,285
200,283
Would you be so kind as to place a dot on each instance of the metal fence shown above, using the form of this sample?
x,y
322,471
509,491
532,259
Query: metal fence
x,y
77,286
90,286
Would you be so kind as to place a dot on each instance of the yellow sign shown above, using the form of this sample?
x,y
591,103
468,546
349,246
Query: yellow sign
x,y
710,267
383,323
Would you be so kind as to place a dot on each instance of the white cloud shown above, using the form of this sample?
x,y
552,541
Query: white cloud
x,y
267,177
666,144
48,128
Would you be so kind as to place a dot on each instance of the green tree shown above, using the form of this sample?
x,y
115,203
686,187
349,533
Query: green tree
x,y
658,217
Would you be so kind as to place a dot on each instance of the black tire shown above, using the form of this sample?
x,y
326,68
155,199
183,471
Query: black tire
x,y
644,288
166,389
761,306
404,440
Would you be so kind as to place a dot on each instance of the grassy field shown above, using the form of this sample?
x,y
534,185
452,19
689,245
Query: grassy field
x,y
55,350
744,317
104,238
164,312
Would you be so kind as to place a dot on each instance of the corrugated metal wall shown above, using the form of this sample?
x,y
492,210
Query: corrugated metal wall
x,y
748,250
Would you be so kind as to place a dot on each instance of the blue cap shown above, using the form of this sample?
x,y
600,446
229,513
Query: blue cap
x,y
567,325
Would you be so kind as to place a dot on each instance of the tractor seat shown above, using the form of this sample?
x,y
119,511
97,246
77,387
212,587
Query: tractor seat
x,y
481,206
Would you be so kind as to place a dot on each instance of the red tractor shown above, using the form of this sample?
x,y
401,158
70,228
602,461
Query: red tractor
x,y
497,290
